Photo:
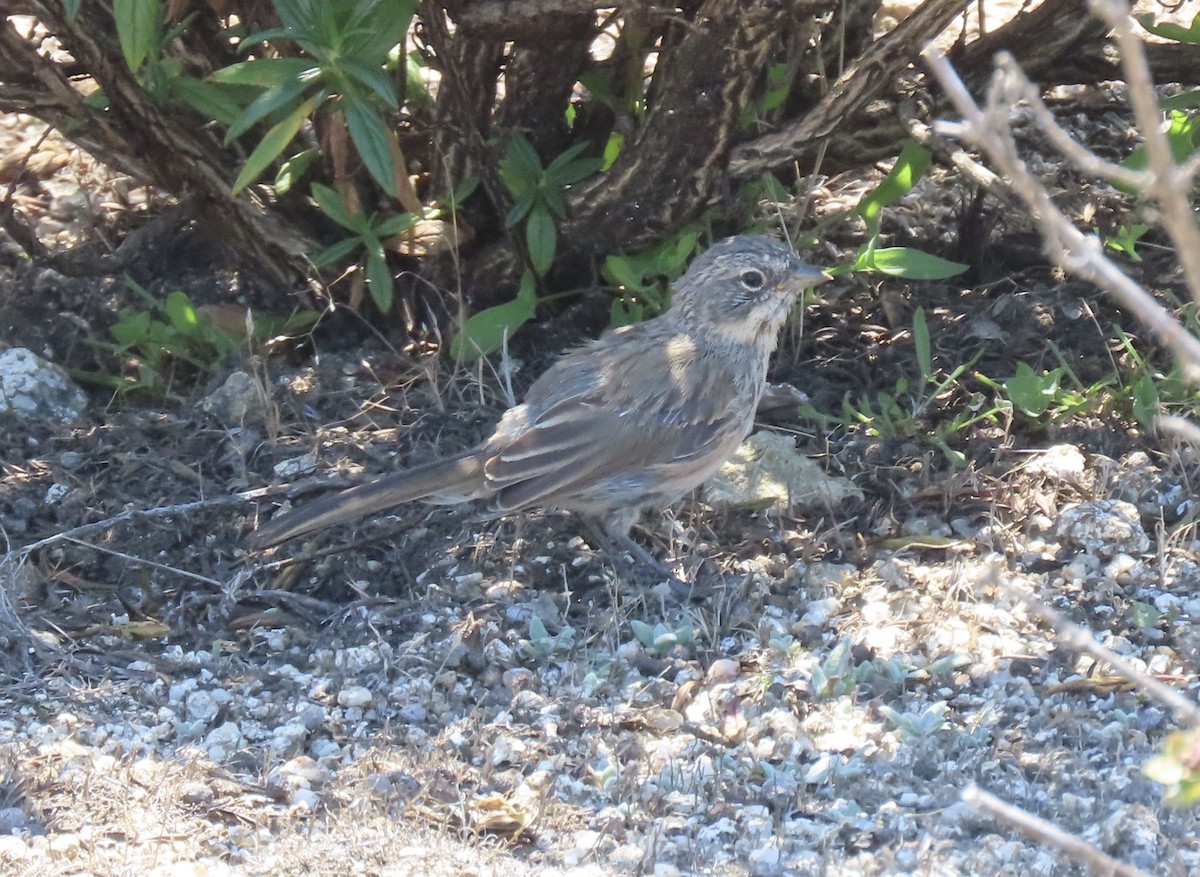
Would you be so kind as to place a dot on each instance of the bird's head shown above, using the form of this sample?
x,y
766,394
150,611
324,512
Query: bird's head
x,y
743,288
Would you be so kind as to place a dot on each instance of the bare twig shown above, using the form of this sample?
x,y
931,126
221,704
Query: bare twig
x,y
1065,245
77,533
1048,833
867,75
1167,186
1021,89
1081,639
141,561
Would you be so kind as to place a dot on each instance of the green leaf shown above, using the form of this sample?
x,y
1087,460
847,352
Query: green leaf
x,y
1145,401
174,31
1144,615
337,252
377,28
1187,101
920,333
612,149
210,99
296,14
464,190
132,328
624,271
1181,136
487,330
910,264
275,141
379,275
373,78
956,458
779,86
642,632
555,200
519,210
577,170
71,7
1171,31
275,98
334,207
180,312
646,275
293,170
267,72
137,22
1031,392
415,88
774,190
271,33
372,139
520,169
565,158
912,164
1126,238
527,291
624,312
542,238
394,225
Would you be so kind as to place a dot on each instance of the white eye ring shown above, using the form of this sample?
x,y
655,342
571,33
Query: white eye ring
x,y
753,280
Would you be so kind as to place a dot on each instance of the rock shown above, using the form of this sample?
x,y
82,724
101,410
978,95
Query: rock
x,y
1063,464
31,388
723,669
223,741
1104,527
202,706
301,772
768,468
355,696
238,401
296,466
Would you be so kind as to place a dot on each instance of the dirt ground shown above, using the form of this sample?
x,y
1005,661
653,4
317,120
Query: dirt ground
x,y
431,693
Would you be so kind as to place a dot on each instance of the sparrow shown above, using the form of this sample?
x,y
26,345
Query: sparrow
x,y
631,421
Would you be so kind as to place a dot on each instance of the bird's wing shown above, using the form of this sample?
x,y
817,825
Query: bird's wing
x,y
651,412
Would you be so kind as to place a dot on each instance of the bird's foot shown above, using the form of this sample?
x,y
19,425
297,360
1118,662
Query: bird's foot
x,y
636,562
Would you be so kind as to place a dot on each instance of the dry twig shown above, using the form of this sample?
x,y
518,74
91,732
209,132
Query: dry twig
x,y
1065,245
1046,832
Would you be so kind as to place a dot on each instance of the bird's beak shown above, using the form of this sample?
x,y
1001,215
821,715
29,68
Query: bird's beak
x,y
805,276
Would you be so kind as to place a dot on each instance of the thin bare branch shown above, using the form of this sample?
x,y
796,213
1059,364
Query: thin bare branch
x,y
141,561
1038,829
1168,186
75,534
869,74
1065,245
1021,89
1081,639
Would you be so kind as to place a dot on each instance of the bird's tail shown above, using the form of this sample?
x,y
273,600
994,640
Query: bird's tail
x,y
453,480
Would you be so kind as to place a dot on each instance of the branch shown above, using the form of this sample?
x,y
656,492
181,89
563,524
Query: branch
x,y
1047,833
1065,245
1167,184
75,534
870,74
1081,639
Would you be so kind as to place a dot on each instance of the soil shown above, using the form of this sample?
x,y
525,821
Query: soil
x,y
429,692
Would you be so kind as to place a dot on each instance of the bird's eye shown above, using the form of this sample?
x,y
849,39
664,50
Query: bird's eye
x,y
753,280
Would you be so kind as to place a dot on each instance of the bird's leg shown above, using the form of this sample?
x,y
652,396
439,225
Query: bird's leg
x,y
614,539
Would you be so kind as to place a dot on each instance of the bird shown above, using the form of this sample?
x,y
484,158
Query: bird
x,y
631,421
